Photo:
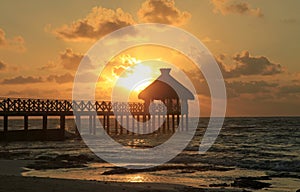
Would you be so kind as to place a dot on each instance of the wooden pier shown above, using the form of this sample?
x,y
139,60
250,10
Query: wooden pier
x,y
109,115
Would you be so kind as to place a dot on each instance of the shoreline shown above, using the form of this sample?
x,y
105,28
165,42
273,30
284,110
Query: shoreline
x,y
14,177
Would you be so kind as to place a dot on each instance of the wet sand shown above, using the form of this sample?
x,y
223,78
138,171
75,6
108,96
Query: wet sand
x,y
11,179
34,184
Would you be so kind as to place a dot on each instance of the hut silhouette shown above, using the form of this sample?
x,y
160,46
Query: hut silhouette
x,y
172,93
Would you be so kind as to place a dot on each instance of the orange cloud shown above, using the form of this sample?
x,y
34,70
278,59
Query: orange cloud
x,y
118,70
17,43
226,7
95,25
162,11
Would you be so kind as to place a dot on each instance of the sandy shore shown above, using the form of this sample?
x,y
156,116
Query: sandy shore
x,y
35,184
11,180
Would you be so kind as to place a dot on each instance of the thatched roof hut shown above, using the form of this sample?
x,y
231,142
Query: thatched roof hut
x,y
168,90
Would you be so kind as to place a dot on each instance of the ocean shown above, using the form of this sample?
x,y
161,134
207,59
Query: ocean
x,y
265,149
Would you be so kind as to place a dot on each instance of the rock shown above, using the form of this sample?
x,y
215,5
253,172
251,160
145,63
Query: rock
x,y
249,183
219,185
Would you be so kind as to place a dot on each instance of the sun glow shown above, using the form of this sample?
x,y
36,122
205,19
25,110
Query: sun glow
x,y
136,78
133,75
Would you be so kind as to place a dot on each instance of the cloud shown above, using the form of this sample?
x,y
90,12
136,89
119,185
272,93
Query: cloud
x,y
246,65
70,60
209,40
2,66
16,43
261,65
49,66
226,7
22,80
120,64
118,70
99,22
162,11
65,78
290,89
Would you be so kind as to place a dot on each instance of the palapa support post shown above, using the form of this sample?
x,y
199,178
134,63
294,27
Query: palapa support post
x,y
138,124
94,124
168,122
104,122
121,126
177,121
44,122
5,123
173,123
62,125
186,122
127,123
165,124
26,122
181,122
133,124
149,122
158,122
90,124
116,124
108,124
153,123
78,125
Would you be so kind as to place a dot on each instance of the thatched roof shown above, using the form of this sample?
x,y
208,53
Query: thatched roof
x,y
165,87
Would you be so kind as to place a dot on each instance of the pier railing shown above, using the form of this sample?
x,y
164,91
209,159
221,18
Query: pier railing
x,y
47,105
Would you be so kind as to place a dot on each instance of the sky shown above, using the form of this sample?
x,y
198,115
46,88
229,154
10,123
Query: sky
x,y
255,44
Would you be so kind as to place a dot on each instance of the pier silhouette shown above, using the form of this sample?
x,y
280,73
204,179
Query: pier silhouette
x,y
170,113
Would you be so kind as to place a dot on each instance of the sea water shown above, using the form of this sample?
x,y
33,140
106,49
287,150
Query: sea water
x,y
248,146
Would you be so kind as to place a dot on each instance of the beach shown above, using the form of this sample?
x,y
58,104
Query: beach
x,y
34,184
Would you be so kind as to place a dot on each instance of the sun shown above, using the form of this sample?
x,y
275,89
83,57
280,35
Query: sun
x,y
136,77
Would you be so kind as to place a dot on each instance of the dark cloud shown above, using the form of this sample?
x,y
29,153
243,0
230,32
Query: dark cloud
x,y
22,80
95,25
249,65
162,11
246,65
226,7
290,89
16,43
70,60
65,78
